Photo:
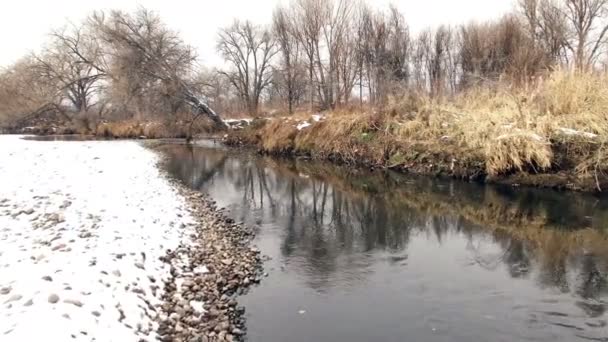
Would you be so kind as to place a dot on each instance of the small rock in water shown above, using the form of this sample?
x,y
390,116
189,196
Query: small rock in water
x,y
53,298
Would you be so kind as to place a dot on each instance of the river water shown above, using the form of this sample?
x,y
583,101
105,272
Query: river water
x,y
374,256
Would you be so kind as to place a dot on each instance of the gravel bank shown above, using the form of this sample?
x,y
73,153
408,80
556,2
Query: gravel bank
x,y
200,301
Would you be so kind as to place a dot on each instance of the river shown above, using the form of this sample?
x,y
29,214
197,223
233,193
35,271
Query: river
x,y
355,255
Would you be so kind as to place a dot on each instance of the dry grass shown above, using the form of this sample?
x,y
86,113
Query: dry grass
x,y
557,124
517,128
132,129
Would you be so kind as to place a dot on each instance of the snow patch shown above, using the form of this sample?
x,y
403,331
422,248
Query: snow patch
x,y
572,132
303,125
82,227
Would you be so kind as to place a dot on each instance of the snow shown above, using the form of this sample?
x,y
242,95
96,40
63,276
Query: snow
x,y
85,222
318,117
303,125
229,121
570,131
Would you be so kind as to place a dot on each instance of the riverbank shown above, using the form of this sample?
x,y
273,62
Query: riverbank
x,y
97,243
552,135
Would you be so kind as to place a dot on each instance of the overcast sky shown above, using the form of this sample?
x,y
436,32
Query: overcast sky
x,y
25,24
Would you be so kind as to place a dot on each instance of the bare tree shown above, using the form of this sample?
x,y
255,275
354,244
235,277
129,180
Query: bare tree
x,y
61,64
23,92
308,15
383,53
153,53
547,29
588,21
290,49
249,50
336,17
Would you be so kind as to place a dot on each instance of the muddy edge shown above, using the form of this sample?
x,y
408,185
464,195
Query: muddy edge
x,y
221,246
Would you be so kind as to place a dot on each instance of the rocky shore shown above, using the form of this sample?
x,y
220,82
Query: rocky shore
x,y
207,275
98,243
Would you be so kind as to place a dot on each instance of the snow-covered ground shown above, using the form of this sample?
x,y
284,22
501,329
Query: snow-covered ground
x,y
82,225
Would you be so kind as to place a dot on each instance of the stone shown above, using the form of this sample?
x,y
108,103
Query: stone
x,y
74,302
53,298
59,246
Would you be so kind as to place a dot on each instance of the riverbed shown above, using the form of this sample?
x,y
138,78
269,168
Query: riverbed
x,y
353,255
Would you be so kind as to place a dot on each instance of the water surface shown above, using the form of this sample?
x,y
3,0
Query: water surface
x,y
360,256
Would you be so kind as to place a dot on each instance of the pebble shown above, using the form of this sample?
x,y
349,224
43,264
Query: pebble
x,y
74,302
53,298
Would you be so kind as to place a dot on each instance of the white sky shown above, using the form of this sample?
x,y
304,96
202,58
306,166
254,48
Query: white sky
x,y
25,24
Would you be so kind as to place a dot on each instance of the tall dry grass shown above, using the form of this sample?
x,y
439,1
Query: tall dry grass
x,y
557,124
516,128
133,129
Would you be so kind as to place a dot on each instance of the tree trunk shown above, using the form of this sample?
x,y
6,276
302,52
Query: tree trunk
x,y
201,108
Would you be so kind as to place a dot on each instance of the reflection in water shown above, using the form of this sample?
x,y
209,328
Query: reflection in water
x,y
386,257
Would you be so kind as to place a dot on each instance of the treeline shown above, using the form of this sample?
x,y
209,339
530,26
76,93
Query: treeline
x,y
322,54
315,55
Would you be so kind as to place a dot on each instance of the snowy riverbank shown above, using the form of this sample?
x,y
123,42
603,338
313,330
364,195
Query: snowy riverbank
x,y
82,227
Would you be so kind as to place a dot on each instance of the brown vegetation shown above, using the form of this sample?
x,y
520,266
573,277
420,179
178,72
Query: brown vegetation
x,y
553,134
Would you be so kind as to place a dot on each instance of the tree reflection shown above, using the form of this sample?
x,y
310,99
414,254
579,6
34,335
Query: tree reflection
x,y
333,216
